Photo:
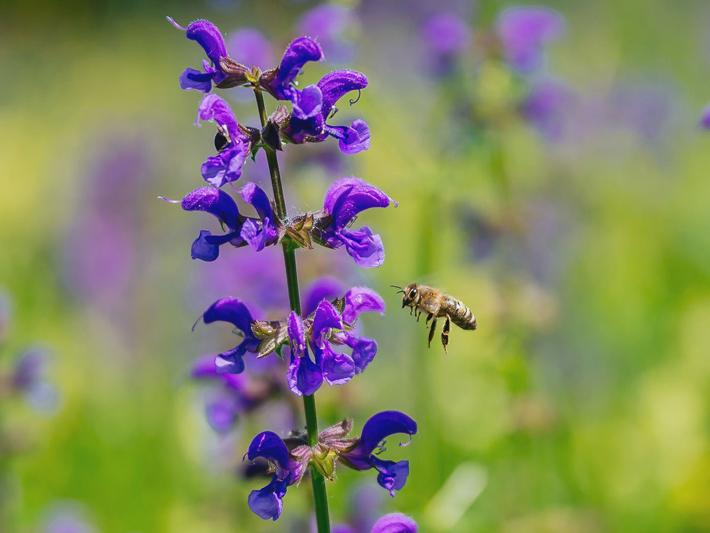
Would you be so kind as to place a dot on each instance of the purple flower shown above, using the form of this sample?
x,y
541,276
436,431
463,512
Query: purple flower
x,y
544,106
267,502
280,81
5,312
241,230
313,105
328,328
208,36
345,199
395,523
234,311
524,31
322,289
250,47
363,456
705,118
238,394
29,378
446,37
232,144
328,23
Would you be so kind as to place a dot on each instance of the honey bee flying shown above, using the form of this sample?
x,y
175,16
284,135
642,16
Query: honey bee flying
x,y
424,299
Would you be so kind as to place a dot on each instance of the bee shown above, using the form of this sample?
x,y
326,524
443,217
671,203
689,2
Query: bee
x,y
424,299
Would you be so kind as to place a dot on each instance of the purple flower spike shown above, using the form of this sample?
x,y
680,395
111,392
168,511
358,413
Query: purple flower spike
x,y
345,199
267,502
391,475
208,36
705,118
395,523
232,144
259,235
234,311
313,106
297,54
219,204
524,31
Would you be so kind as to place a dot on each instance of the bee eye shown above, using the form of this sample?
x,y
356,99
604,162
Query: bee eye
x,y
413,293
220,141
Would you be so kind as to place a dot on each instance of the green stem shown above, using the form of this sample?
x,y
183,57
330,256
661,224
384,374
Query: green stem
x,y
320,497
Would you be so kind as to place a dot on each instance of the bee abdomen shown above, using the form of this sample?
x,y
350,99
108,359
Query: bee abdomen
x,y
460,314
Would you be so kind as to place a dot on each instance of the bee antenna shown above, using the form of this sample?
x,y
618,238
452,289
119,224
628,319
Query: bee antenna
x,y
399,289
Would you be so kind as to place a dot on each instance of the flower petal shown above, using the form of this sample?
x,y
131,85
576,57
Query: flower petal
x,y
222,412
268,445
267,503
356,138
360,300
208,36
213,201
308,103
395,523
232,361
392,476
298,53
230,310
304,376
325,317
195,79
349,196
364,351
364,246
338,368
206,246
338,83
382,425
256,197
296,334
213,108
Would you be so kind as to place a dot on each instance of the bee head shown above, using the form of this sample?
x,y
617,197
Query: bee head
x,y
411,295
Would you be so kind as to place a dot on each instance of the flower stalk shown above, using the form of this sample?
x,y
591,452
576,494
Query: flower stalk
x,y
320,497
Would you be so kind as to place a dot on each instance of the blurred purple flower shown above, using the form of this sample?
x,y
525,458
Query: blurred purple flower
x,y
67,517
705,118
363,456
345,200
446,36
208,36
329,327
325,288
524,31
544,107
643,107
239,393
5,312
328,23
29,378
395,523
267,502
231,142
250,47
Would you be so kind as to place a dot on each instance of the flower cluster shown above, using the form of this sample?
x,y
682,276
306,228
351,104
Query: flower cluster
x,y
320,342
288,461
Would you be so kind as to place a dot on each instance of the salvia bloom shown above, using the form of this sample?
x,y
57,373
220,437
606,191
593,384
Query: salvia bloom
x,y
523,32
333,446
345,199
330,328
231,142
208,36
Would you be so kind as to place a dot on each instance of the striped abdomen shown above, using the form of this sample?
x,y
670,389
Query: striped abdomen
x,y
459,313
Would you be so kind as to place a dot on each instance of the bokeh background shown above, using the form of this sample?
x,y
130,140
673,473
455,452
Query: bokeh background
x,y
578,234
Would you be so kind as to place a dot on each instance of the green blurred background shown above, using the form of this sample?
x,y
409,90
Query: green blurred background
x,y
582,403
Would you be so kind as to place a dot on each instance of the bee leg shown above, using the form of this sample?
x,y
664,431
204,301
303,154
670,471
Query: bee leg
x,y
418,314
428,318
431,331
445,333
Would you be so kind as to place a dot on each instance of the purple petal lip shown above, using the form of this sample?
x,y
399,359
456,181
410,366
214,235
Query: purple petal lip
x,y
359,300
208,36
347,197
337,84
326,317
376,429
214,201
271,447
230,310
299,52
